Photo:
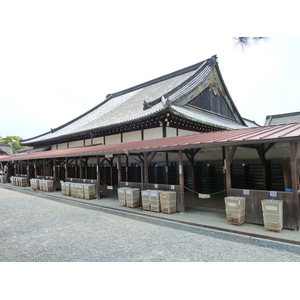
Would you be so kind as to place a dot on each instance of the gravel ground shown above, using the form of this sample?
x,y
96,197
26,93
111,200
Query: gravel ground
x,y
37,229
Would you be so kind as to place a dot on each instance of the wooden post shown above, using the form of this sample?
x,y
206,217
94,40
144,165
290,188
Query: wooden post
x,y
98,178
127,168
35,168
80,167
167,168
111,163
28,174
261,154
54,174
181,182
44,167
295,183
228,160
66,168
146,172
86,168
190,155
119,170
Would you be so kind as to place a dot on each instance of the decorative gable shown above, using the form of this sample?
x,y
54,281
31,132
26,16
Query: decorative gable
x,y
211,96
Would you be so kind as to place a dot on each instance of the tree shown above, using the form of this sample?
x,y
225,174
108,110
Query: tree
x,y
244,42
13,141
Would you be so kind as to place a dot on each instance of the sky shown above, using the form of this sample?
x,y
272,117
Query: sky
x,y
59,59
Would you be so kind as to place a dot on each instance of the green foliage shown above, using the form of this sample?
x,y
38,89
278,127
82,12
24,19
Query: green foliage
x,y
244,42
13,141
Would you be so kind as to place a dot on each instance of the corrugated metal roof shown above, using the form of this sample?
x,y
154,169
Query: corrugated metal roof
x,y
254,135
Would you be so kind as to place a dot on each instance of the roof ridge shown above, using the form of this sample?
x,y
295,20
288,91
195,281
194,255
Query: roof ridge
x,y
284,114
200,68
159,79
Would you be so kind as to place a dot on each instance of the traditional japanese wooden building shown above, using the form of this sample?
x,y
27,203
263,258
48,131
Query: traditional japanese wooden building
x,y
194,99
179,132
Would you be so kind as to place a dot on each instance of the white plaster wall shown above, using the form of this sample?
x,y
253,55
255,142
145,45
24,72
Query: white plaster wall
x,y
113,139
207,154
153,133
132,136
88,142
62,146
171,132
76,144
98,140
186,132
279,151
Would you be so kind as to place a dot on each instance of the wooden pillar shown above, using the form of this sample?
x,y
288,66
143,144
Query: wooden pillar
x,y
229,153
181,182
98,178
190,155
127,168
35,168
119,170
66,168
28,174
167,168
54,174
86,168
111,163
80,167
224,169
295,183
262,156
146,171
44,167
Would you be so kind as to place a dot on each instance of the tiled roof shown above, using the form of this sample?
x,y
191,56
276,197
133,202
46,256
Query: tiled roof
x,y
129,105
6,149
254,135
283,118
208,119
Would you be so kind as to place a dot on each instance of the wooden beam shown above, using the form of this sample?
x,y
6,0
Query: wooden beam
x,y
269,147
150,158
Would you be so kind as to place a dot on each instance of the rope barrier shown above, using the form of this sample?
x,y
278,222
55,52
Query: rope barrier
x,y
207,194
